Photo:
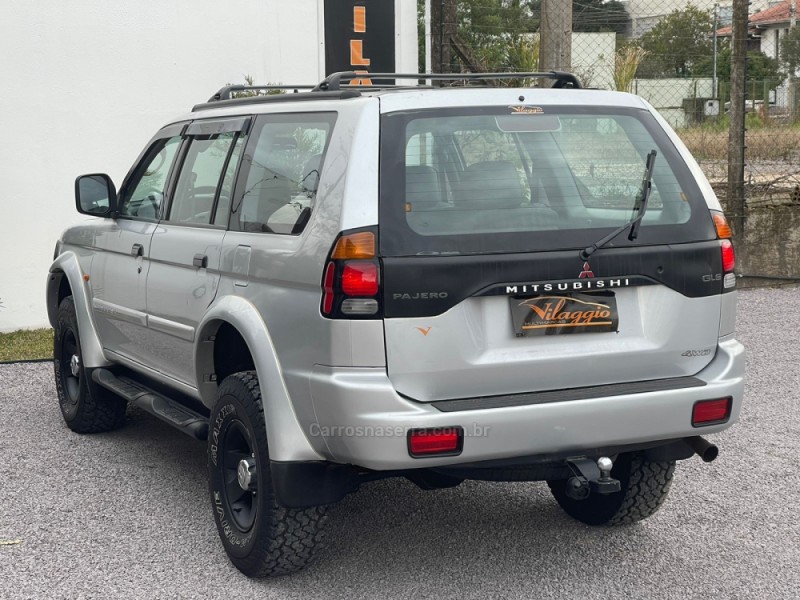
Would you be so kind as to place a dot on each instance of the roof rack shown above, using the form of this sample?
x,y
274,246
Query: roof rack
x,y
227,92
334,81
333,87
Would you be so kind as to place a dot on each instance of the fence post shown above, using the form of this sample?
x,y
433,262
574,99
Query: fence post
x,y
736,133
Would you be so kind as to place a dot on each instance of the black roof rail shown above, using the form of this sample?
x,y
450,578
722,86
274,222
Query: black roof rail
x,y
344,94
227,92
334,81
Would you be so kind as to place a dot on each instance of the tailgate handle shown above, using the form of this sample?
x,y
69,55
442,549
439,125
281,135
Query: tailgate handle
x,y
200,261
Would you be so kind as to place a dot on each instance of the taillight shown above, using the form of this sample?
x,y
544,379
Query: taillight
x,y
440,441
728,256
724,233
351,283
711,412
360,278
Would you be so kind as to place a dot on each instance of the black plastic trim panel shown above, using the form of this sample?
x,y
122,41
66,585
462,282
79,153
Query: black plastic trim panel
x,y
585,393
424,286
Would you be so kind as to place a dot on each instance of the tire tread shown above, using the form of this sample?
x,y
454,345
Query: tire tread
x,y
100,410
293,535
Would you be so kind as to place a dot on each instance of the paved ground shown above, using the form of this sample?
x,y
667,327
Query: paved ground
x,y
125,515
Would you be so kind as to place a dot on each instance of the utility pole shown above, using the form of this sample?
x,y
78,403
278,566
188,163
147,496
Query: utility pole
x,y
555,52
443,30
792,79
714,93
736,134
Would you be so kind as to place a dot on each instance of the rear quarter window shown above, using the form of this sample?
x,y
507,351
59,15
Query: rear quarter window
x,y
281,171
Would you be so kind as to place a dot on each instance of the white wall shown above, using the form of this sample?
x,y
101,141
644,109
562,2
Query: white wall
x,y
86,83
667,96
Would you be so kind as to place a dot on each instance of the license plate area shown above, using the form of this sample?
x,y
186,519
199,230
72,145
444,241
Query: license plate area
x,y
557,314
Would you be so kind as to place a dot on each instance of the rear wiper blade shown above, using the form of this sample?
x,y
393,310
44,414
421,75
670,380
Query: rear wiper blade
x,y
639,210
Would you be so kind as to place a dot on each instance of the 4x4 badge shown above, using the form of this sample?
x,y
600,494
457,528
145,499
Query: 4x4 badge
x,y
587,271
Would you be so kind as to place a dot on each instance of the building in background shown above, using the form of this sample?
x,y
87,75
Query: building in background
x,y
87,83
645,14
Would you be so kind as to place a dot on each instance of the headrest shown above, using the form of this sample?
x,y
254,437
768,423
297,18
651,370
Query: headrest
x,y
490,184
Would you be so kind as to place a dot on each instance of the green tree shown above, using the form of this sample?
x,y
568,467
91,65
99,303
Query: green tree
x,y
677,44
489,27
760,67
790,49
593,16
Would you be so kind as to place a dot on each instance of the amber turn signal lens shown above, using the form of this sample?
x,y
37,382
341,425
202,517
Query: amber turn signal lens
x,y
721,223
355,245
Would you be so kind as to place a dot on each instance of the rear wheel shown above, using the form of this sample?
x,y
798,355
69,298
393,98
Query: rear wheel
x,y
645,485
85,406
261,538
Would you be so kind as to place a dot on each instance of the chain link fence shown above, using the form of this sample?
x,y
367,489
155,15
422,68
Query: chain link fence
x,y
677,55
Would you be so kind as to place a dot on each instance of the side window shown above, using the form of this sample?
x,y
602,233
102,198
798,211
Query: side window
x,y
196,189
145,192
281,171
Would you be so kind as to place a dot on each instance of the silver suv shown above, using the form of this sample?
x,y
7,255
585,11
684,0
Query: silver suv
x,y
439,283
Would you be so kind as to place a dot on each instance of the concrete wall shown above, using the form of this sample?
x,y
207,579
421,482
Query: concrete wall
x,y
667,96
86,83
771,246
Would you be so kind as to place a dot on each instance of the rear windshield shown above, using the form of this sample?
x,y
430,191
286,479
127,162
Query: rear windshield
x,y
516,179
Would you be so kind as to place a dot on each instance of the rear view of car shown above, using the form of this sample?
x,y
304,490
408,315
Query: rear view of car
x,y
334,287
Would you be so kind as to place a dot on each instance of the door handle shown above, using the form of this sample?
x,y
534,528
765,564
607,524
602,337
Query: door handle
x,y
137,250
200,261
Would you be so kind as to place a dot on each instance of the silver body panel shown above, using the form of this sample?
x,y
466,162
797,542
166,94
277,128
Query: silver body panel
x,y
158,314
471,350
364,420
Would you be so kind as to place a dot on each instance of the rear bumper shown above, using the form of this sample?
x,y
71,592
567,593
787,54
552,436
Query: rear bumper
x,y
364,421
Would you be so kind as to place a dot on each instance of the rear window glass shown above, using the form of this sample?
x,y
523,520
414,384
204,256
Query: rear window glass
x,y
490,180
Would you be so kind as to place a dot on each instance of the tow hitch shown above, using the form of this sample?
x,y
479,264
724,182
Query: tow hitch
x,y
590,476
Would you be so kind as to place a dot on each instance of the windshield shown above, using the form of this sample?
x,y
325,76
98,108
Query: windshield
x,y
513,179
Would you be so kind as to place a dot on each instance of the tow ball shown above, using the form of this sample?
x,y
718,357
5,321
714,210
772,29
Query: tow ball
x,y
590,476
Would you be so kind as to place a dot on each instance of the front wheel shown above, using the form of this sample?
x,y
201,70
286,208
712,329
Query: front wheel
x,y
85,406
645,484
261,538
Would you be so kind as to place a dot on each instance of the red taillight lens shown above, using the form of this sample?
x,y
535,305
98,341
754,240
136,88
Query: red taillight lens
x,y
439,441
360,278
327,288
709,412
728,256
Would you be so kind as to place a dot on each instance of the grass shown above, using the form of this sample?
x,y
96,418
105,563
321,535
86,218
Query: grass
x,y
26,344
766,140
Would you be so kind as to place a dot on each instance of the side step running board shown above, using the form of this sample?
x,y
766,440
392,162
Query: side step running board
x,y
168,410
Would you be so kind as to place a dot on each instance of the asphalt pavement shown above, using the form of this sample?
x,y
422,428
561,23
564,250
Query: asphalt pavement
x,y
126,514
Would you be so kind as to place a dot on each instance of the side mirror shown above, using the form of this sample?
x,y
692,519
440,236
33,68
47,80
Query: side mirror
x,y
95,195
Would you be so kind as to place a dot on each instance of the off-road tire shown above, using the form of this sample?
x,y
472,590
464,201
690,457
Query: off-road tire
x,y
261,538
85,406
645,484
